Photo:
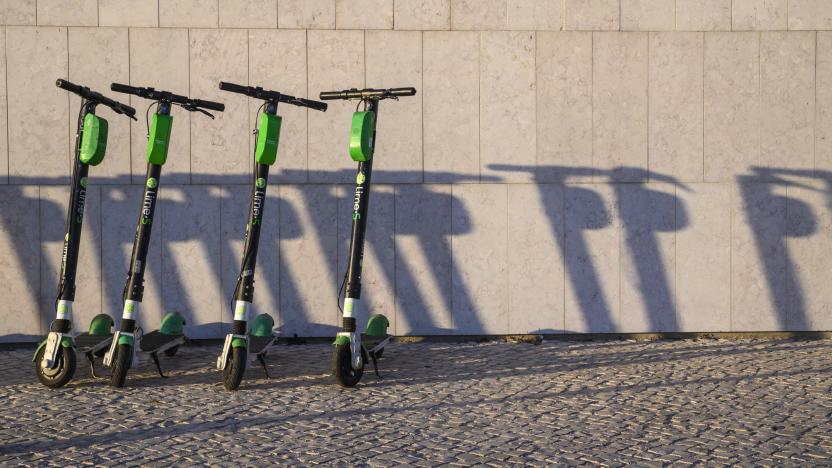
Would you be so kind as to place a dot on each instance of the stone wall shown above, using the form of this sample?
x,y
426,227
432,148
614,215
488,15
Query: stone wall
x,y
567,165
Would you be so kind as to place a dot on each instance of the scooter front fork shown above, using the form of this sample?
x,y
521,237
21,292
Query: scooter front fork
x,y
129,313
241,311
227,346
55,338
349,332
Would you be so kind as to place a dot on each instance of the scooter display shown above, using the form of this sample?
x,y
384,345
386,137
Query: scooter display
x,y
122,353
241,343
55,357
351,348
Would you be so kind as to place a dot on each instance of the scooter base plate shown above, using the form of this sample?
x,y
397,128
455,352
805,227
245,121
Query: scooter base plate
x,y
259,344
156,341
86,343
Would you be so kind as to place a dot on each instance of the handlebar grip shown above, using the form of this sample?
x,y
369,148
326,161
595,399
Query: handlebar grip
x,y
67,85
216,106
128,110
115,105
331,95
319,106
403,91
234,88
123,88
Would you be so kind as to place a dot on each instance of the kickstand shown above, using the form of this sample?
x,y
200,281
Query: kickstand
x,y
92,365
263,363
158,366
375,363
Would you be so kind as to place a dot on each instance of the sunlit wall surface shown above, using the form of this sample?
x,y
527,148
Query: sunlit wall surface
x,y
566,166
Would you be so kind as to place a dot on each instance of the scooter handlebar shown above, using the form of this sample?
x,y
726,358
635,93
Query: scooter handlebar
x,y
368,93
154,94
260,93
96,97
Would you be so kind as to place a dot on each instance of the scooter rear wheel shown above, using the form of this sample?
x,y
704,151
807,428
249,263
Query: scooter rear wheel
x,y
61,373
234,369
345,375
122,363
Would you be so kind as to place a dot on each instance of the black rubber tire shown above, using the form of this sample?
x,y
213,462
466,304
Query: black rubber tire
x,y
121,364
234,369
63,372
171,352
345,375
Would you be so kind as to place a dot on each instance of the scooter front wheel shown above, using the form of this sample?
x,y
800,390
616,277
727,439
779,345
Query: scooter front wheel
x,y
62,372
121,364
234,369
345,375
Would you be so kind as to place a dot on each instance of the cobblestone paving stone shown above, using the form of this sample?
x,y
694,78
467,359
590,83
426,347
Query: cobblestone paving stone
x,y
611,403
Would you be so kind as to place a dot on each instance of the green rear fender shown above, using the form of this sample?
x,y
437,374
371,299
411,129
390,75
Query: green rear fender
x,y
238,343
173,324
101,325
125,339
342,340
262,325
377,325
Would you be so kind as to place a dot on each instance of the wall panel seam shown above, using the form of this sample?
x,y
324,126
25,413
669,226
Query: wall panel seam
x,y
6,97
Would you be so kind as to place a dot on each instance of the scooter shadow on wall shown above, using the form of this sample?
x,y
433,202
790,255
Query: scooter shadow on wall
x,y
177,263
395,282
21,212
642,212
775,208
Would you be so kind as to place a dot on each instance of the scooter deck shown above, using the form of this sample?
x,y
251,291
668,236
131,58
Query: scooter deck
x,y
259,344
87,343
374,343
156,341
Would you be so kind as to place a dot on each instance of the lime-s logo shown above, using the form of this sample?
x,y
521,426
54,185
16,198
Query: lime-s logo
x,y
261,182
152,182
360,178
83,182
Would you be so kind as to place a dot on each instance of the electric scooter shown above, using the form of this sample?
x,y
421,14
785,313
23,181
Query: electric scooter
x,y
351,348
239,344
55,357
129,339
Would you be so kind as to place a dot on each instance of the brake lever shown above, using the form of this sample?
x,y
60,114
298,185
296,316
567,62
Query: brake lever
x,y
192,108
119,111
206,113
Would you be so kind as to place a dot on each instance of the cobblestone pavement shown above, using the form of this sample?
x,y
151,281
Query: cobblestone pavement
x,y
611,403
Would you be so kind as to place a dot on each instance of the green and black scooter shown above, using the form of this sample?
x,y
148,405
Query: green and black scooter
x,y
351,348
239,344
126,343
55,357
